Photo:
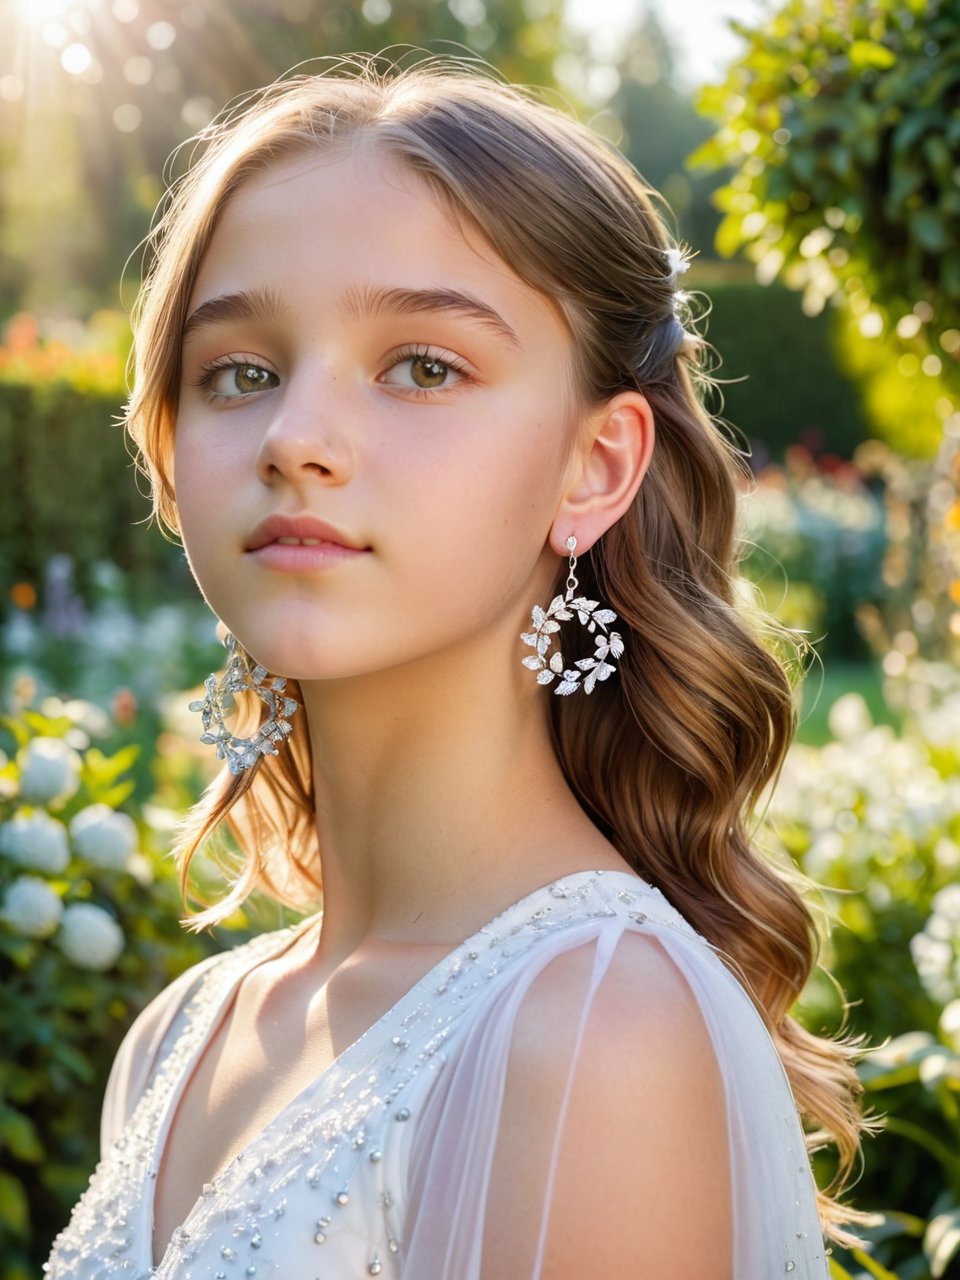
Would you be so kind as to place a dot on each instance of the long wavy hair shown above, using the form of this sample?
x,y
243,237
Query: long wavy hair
x,y
671,758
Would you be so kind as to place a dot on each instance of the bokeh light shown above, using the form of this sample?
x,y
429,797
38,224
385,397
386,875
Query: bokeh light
x,y
37,12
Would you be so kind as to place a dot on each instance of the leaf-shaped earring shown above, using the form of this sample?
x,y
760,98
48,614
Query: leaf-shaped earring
x,y
243,753
546,623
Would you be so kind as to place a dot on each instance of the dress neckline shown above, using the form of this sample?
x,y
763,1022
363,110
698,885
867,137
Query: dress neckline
x,y
288,937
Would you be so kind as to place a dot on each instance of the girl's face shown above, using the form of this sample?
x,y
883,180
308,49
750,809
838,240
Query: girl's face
x,y
354,357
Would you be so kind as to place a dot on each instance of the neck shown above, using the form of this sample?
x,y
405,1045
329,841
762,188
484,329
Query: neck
x,y
439,800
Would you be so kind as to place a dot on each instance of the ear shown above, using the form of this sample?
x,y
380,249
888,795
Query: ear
x,y
606,470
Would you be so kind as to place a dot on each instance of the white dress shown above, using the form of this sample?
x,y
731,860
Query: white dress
x,y
364,1173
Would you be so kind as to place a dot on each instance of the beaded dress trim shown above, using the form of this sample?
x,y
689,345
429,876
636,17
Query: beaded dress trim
x,y
320,1193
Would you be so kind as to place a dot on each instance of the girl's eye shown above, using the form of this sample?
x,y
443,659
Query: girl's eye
x,y
422,370
427,372
231,379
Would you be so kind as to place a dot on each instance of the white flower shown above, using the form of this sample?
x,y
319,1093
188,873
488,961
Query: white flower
x,y
93,720
90,937
31,907
950,1023
37,841
49,770
141,869
936,951
946,902
104,837
850,717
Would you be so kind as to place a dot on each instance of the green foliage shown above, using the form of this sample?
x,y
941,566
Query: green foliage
x,y
840,127
88,932
841,123
904,404
67,483
815,544
660,126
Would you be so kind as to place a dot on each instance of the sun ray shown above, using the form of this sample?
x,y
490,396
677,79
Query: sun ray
x,y
35,13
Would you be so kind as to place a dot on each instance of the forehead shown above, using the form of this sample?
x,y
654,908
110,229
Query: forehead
x,y
336,221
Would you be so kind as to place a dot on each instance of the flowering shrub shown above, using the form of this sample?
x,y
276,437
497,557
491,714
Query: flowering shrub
x,y
118,661
88,932
49,771
95,648
874,819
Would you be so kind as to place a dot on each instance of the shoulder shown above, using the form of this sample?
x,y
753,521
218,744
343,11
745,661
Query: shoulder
x,y
617,1064
640,990
641,1021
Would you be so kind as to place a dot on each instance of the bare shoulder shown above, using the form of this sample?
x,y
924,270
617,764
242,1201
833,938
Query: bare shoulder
x,y
642,1179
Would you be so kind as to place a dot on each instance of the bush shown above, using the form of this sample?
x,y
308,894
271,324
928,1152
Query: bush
x,y
794,388
874,818
815,547
66,480
88,932
839,122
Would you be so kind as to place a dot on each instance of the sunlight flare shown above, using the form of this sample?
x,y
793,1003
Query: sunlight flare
x,y
36,12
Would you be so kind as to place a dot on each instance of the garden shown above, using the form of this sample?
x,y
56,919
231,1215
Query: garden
x,y
819,182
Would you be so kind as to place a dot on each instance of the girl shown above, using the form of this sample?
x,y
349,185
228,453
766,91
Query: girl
x,y
414,383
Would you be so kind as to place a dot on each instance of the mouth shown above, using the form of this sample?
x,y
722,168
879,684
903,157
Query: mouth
x,y
300,544
303,542
304,532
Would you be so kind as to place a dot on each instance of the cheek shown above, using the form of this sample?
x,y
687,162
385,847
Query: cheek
x,y
188,481
481,516
202,483
480,483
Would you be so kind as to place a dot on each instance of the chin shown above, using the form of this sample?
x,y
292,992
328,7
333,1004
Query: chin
x,y
306,664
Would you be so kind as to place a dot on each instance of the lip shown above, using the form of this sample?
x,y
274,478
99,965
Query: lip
x,y
331,540
331,545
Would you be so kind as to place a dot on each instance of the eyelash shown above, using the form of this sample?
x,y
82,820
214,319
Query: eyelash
x,y
417,351
422,351
209,371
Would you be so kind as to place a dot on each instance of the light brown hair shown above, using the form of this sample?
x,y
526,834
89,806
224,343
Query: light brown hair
x,y
671,757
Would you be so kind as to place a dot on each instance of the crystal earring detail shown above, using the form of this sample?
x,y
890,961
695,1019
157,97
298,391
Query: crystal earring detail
x,y
546,622
241,753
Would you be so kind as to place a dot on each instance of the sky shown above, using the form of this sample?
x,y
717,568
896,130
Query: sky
x,y
704,42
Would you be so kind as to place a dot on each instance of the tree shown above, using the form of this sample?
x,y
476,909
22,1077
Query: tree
x,y
660,126
841,121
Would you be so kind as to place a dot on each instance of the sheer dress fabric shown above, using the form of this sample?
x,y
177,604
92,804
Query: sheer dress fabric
x,y
382,1165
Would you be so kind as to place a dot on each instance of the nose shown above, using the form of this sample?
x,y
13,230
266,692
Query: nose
x,y
306,438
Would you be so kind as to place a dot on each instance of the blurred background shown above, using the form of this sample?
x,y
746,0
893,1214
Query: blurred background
x,y
809,153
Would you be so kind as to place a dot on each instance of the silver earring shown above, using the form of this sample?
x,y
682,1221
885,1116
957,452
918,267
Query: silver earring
x,y
242,753
546,622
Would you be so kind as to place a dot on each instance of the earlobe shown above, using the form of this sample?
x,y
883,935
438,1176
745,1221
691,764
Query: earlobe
x,y
611,465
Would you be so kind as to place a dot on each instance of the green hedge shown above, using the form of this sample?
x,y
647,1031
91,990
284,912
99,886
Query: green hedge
x,y
67,485
795,389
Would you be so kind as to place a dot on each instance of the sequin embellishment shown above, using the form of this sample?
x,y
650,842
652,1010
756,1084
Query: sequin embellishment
x,y
328,1171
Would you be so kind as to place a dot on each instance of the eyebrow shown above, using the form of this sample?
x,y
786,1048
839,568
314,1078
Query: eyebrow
x,y
368,302
247,304
356,305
